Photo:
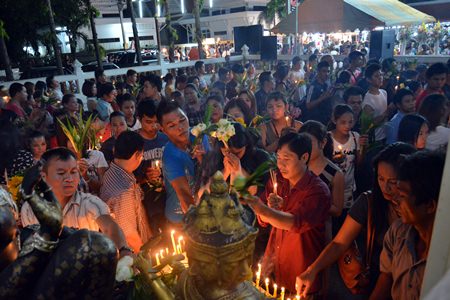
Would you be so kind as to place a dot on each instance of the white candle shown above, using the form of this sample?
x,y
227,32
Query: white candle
x,y
180,239
258,278
172,237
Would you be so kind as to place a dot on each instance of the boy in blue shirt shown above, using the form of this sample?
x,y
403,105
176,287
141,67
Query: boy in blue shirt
x,y
179,161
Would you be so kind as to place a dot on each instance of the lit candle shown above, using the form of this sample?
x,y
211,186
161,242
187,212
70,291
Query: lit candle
x,y
180,239
157,163
288,298
157,259
275,188
167,251
297,297
179,250
275,290
287,121
161,253
259,268
282,292
340,148
172,236
267,286
258,278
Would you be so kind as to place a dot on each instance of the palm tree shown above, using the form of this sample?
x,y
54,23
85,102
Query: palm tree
x,y
92,14
137,46
4,57
198,30
56,47
275,10
171,32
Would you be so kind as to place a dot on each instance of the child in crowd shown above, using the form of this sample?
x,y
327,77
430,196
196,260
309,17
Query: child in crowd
x,y
127,104
279,122
346,144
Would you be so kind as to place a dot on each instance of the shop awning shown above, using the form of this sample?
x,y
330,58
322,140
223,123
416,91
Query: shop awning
x,y
392,12
327,16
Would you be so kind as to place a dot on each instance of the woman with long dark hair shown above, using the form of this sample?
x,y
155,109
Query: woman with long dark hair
x,y
413,130
435,109
379,202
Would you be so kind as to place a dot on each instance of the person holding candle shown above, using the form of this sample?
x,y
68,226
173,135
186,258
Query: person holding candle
x,y
149,174
279,123
382,213
346,144
297,214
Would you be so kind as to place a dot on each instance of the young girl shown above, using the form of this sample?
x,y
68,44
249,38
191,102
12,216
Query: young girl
x,y
127,105
279,122
345,148
320,165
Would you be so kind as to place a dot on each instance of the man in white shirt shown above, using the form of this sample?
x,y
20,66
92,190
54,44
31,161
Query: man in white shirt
x,y
80,210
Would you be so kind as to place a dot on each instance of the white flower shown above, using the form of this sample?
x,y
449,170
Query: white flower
x,y
198,129
221,133
223,123
230,131
124,270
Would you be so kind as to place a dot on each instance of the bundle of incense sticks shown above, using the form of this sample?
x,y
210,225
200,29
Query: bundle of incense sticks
x,y
273,177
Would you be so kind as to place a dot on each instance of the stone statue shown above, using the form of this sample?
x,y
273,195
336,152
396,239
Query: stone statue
x,y
220,245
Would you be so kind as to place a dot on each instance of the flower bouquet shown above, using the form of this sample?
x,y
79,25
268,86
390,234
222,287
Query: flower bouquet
x,y
225,130
81,135
204,128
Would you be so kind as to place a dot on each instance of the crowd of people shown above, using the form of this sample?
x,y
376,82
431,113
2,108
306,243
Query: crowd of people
x,y
359,154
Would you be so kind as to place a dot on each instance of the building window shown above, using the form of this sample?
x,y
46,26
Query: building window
x,y
110,15
105,41
143,38
216,33
237,9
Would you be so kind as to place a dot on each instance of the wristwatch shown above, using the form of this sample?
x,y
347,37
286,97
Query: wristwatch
x,y
125,248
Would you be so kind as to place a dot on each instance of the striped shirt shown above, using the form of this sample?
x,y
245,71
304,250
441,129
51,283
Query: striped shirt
x,y
124,197
81,212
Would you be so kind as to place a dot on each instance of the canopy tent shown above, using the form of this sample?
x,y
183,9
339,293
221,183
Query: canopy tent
x,y
340,15
392,12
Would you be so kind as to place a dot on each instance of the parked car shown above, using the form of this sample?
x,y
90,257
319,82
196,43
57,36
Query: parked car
x,y
125,59
90,67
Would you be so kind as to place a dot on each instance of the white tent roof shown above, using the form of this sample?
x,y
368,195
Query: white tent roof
x,y
391,12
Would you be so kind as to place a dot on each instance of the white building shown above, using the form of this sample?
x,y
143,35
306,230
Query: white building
x,y
217,20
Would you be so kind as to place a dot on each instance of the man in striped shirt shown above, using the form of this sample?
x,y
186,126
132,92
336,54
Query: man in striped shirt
x,y
80,210
121,191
